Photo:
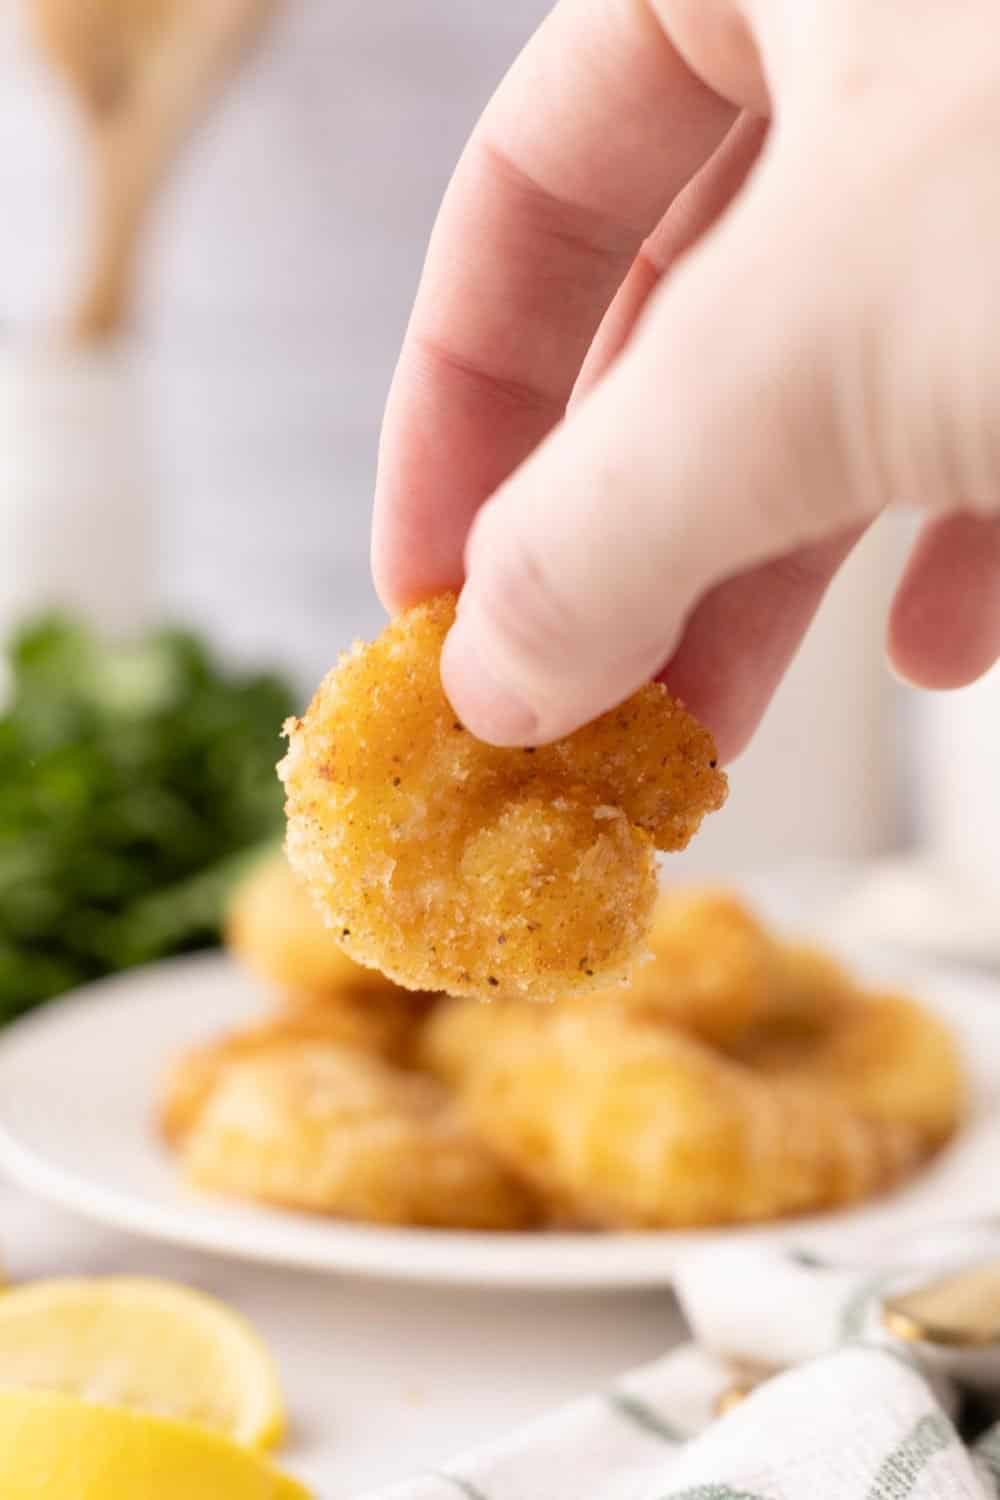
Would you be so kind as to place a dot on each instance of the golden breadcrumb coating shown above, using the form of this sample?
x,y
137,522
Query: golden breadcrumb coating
x,y
317,1127
622,1121
811,980
713,969
457,1033
385,1025
276,931
886,1056
453,865
386,1022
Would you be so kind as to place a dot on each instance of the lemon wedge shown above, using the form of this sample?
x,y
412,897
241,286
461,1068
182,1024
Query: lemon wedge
x,y
53,1447
144,1345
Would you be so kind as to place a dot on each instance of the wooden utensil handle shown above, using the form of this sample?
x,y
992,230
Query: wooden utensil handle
x,y
127,168
136,144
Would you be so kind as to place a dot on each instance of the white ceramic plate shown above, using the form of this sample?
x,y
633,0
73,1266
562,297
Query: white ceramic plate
x,y
77,1081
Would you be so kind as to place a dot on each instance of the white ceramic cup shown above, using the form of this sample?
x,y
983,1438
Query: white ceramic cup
x,y
77,514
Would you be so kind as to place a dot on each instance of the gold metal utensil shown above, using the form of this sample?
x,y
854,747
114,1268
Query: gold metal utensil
x,y
142,70
958,1311
746,1378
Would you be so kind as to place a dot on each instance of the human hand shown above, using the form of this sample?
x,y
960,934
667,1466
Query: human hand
x,y
768,335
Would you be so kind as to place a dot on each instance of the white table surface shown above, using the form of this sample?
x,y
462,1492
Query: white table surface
x,y
382,1380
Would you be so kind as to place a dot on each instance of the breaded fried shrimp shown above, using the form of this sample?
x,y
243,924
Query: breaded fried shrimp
x,y
317,1127
623,1121
275,929
454,865
386,1026
888,1058
713,969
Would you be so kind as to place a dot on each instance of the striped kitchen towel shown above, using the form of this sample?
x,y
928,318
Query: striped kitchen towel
x,y
853,1415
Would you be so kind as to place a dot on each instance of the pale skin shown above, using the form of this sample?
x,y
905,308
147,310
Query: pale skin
x,y
715,283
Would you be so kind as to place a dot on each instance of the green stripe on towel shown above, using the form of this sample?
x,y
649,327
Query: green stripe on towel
x,y
644,1417
465,1487
901,1470
713,1492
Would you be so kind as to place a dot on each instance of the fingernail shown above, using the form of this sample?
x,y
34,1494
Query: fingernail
x,y
485,705
899,674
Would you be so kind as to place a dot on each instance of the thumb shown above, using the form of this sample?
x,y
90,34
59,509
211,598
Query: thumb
x,y
716,442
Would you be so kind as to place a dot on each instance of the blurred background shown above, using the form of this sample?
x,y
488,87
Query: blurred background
x,y
213,468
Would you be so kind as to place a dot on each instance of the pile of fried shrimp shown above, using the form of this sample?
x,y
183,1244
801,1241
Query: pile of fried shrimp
x,y
735,1078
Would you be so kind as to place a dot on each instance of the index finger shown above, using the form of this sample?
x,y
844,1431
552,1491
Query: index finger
x,y
593,133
